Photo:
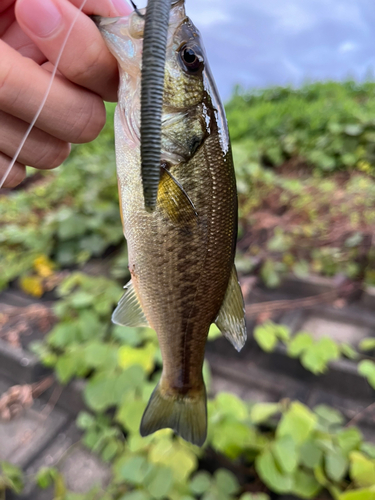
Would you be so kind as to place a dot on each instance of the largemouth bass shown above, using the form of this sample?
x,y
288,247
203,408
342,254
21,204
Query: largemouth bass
x,y
181,256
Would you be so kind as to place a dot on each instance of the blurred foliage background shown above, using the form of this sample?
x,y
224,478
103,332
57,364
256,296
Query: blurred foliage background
x,y
305,171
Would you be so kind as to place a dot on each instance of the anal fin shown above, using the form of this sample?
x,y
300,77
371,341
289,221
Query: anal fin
x,y
129,310
231,317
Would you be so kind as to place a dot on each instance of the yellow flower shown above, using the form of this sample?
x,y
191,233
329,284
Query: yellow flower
x,y
364,166
43,266
32,285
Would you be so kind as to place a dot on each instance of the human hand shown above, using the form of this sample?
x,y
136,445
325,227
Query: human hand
x,y
31,36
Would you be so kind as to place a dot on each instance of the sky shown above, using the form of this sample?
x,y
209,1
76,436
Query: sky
x,y
280,42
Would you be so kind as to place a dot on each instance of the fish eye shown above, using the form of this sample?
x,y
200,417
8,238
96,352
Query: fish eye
x,y
192,61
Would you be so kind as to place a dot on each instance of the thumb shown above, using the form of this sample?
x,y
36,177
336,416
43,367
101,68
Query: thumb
x,y
86,60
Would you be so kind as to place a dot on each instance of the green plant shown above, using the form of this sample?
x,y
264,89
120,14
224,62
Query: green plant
x,y
302,453
11,477
296,152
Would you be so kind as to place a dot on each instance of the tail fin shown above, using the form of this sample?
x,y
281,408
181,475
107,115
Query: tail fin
x,y
186,415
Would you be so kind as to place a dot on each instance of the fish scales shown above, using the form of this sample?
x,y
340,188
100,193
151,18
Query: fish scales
x,y
181,256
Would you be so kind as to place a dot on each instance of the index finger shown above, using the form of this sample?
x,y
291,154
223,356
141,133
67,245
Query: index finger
x,y
86,60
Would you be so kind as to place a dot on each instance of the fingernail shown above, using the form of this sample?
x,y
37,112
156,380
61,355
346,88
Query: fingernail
x,y
122,7
41,16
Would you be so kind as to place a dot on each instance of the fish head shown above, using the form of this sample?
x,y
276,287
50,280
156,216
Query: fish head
x,y
185,62
191,105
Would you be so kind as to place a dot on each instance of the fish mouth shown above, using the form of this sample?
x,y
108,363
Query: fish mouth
x,y
122,37
104,21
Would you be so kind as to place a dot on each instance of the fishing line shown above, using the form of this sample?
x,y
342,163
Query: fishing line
x,y
40,109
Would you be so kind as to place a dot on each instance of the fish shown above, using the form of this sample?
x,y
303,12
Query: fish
x,y
181,255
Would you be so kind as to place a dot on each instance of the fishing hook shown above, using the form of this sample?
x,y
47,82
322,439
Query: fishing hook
x,y
137,10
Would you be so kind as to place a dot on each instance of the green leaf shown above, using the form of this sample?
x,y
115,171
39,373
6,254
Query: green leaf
x,y
207,376
63,334
98,354
85,420
90,326
11,477
349,440
81,299
271,475
282,332
348,351
129,356
318,355
231,405
226,481
305,485
66,367
297,422
261,412
127,335
178,457
214,332
200,483
45,477
320,476
336,465
362,494
270,275
279,242
362,469
136,495
213,495
132,470
71,225
301,269
130,413
110,450
105,390
367,369
299,344
98,392
60,488
310,454
266,337
369,449
254,496
329,415
286,454
159,481
367,344
353,129
230,437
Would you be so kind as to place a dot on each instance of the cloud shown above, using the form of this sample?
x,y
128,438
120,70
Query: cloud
x,y
213,16
273,42
348,46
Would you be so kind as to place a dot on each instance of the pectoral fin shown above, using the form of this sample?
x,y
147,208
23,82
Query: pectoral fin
x,y
174,201
129,310
231,318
